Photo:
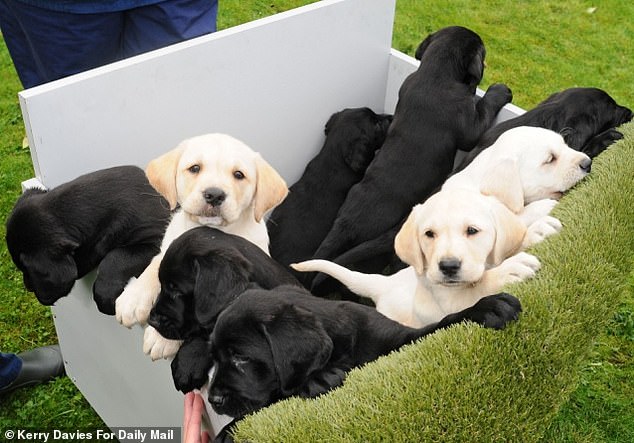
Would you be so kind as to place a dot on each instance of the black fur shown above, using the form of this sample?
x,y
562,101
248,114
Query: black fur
x,y
586,117
111,219
437,114
269,345
299,224
201,273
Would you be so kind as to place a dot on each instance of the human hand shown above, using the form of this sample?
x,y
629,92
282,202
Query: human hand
x,y
192,419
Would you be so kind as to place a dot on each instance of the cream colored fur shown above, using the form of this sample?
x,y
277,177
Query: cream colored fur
x,y
526,171
475,230
183,175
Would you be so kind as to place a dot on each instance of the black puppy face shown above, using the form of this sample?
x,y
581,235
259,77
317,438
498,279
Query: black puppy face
x,y
581,114
457,50
359,133
173,313
41,249
195,288
48,274
264,353
244,378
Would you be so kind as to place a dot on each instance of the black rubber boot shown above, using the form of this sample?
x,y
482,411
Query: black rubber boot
x,y
39,365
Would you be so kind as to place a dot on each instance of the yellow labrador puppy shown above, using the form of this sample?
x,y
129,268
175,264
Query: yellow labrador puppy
x,y
526,170
217,181
456,243
536,161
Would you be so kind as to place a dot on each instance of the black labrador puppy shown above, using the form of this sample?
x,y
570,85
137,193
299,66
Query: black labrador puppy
x,y
111,219
270,345
299,224
201,273
437,113
585,117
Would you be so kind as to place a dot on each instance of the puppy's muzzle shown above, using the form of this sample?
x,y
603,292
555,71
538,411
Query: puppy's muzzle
x,y
449,266
214,196
164,325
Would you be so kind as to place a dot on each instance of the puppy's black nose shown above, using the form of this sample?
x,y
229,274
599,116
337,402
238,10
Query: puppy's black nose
x,y
586,165
449,266
165,326
155,320
214,196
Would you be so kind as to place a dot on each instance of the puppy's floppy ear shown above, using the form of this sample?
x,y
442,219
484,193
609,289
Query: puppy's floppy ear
x,y
219,280
475,68
573,137
503,182
59,271
299,345
331,122
406,244
270,188
161,172
423,46
509,233
358,156
60,274
566,131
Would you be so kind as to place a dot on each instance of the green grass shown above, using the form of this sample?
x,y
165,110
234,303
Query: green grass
x,y
601,408
473,384
536,47
24,323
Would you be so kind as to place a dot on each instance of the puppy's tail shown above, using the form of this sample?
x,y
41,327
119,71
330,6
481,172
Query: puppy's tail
x,y
366,285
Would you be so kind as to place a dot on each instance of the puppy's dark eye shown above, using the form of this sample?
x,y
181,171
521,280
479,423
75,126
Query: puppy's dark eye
x,y
472,231
194,169
430,234
239,175
239,362
172,290
552,158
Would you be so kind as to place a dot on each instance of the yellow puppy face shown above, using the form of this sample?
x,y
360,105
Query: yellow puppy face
x,y
217,179
456,235
552,169
545,164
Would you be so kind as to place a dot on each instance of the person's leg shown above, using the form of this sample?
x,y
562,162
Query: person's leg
x,y
47,45
17,44
10,365
168,22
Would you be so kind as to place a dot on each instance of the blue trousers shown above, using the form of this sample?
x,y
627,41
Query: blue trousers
x,y
46,45
10,365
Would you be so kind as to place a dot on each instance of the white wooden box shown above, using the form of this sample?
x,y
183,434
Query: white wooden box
x,y
272,83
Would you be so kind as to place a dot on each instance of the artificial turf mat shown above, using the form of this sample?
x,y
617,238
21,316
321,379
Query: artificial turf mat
x,y
468,383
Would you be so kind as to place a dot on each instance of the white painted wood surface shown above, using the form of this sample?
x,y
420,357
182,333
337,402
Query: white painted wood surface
x,y
272,83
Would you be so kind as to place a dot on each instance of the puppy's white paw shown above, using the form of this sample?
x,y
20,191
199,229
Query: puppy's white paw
x,y
540,229
517,268
134,304
537,210
157,346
